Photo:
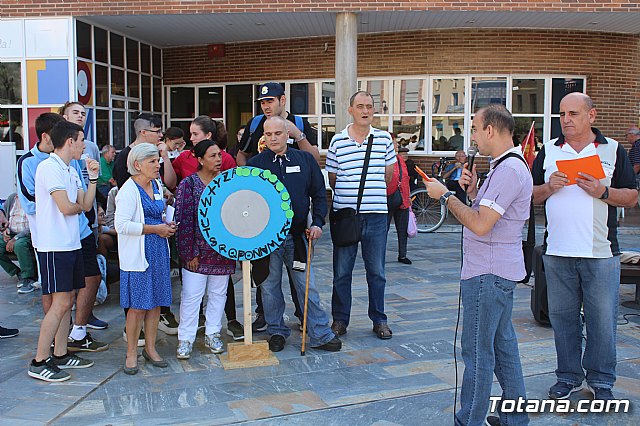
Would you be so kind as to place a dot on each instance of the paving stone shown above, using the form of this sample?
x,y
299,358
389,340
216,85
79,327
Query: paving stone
x,y
408,380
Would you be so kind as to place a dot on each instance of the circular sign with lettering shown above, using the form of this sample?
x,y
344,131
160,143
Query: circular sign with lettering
x,y
245,213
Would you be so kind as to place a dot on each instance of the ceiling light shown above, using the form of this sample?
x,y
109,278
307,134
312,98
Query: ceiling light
x,y
130,26
471,21
259,23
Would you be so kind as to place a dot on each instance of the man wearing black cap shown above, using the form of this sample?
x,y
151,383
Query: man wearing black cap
x,y
273,101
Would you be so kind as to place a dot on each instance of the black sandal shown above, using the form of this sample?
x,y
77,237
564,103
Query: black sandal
x,y
383,331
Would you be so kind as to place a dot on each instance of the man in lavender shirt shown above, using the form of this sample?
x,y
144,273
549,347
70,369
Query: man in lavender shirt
x,y
492,265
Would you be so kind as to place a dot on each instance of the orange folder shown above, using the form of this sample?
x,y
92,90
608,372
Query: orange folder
x,y
421,173
590,165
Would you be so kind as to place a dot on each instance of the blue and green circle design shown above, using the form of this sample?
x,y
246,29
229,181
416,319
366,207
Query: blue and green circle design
x,y
245,213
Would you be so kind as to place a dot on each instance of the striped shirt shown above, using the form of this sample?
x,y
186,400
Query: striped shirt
x,y
345,159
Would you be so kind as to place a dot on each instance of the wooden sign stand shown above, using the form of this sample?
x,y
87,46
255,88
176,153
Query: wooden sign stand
x,y
249,353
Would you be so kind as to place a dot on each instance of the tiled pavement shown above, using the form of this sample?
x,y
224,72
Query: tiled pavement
x,y
408,380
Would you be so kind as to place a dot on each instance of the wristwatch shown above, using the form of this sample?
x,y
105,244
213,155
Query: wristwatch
x,y
444,199
605,194
302,136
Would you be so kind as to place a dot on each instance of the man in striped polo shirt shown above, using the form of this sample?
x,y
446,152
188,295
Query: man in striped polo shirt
x,y
582,261
345,162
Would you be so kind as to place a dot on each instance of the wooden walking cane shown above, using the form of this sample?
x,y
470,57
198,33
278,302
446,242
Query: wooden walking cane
x,y
306,299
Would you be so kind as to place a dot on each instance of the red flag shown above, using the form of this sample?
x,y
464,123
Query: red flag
x,y
529,146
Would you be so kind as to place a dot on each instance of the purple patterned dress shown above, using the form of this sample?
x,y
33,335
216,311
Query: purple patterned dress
x,y
189,239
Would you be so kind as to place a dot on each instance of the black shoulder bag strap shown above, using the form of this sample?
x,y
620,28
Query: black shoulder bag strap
x,y
531,231
365,167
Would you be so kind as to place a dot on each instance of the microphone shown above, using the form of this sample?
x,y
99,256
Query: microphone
x,y
471,153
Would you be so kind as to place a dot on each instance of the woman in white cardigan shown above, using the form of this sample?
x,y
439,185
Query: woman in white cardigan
x,y
145,279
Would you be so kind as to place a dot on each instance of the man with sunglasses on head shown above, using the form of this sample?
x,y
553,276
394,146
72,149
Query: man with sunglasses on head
x,y
148,129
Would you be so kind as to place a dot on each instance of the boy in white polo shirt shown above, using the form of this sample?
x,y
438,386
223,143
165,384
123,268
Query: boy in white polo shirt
x,y
61,198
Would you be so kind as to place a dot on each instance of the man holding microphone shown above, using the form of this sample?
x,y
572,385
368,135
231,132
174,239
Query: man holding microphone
x,y
491,267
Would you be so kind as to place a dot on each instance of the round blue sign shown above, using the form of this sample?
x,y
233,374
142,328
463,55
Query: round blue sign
x,y
245,213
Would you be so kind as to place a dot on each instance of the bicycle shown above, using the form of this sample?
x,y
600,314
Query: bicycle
x,y
430,213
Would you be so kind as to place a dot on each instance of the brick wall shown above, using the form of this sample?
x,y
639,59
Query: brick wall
x,y
21,8
609,61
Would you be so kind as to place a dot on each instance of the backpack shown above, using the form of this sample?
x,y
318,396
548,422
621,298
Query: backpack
x,y
255,122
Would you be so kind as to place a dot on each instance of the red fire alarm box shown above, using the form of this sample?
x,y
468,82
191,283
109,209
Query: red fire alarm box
x,y
215,51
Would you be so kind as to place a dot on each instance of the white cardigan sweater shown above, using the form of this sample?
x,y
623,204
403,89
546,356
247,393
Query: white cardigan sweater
x,y
129,222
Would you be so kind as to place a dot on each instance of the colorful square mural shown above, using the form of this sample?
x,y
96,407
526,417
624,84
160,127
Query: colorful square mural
x,y
47,81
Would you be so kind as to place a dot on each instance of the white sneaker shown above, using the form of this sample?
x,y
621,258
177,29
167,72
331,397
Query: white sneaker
x,y
184,349
213,342
140,339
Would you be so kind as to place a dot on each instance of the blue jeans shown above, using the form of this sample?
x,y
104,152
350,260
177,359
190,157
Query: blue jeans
x,y
374,246
273,300
574,282
489,345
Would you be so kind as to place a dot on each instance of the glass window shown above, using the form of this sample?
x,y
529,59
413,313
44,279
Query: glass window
x,y
486,91
117,50
209,101
145,58
157,62
83,40
117,103
118,130
182,102
313,121
133,85
444,101
556,130
329,97
10,83
302,98
379,90
146,93
528,96
523,125
117,82
102,127
184,125
407,95
157,95
100,44
447,133
328,131
381,122
11,129
560,87
132,55
408,130
131,118
102,85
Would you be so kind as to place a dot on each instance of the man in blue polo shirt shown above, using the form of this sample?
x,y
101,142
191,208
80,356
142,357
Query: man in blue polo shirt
x,y
300,136
345,162
301,175
582,261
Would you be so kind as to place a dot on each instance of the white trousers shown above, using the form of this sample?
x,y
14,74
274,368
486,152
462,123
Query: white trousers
x,y
193,287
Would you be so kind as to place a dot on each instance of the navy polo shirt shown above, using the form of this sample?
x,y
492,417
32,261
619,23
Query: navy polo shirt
x,y
301,175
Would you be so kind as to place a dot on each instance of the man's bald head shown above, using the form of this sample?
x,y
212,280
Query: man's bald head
x,y
584,98
276,134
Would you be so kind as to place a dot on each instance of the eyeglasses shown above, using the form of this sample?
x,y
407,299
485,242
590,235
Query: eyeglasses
x,y
158,131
